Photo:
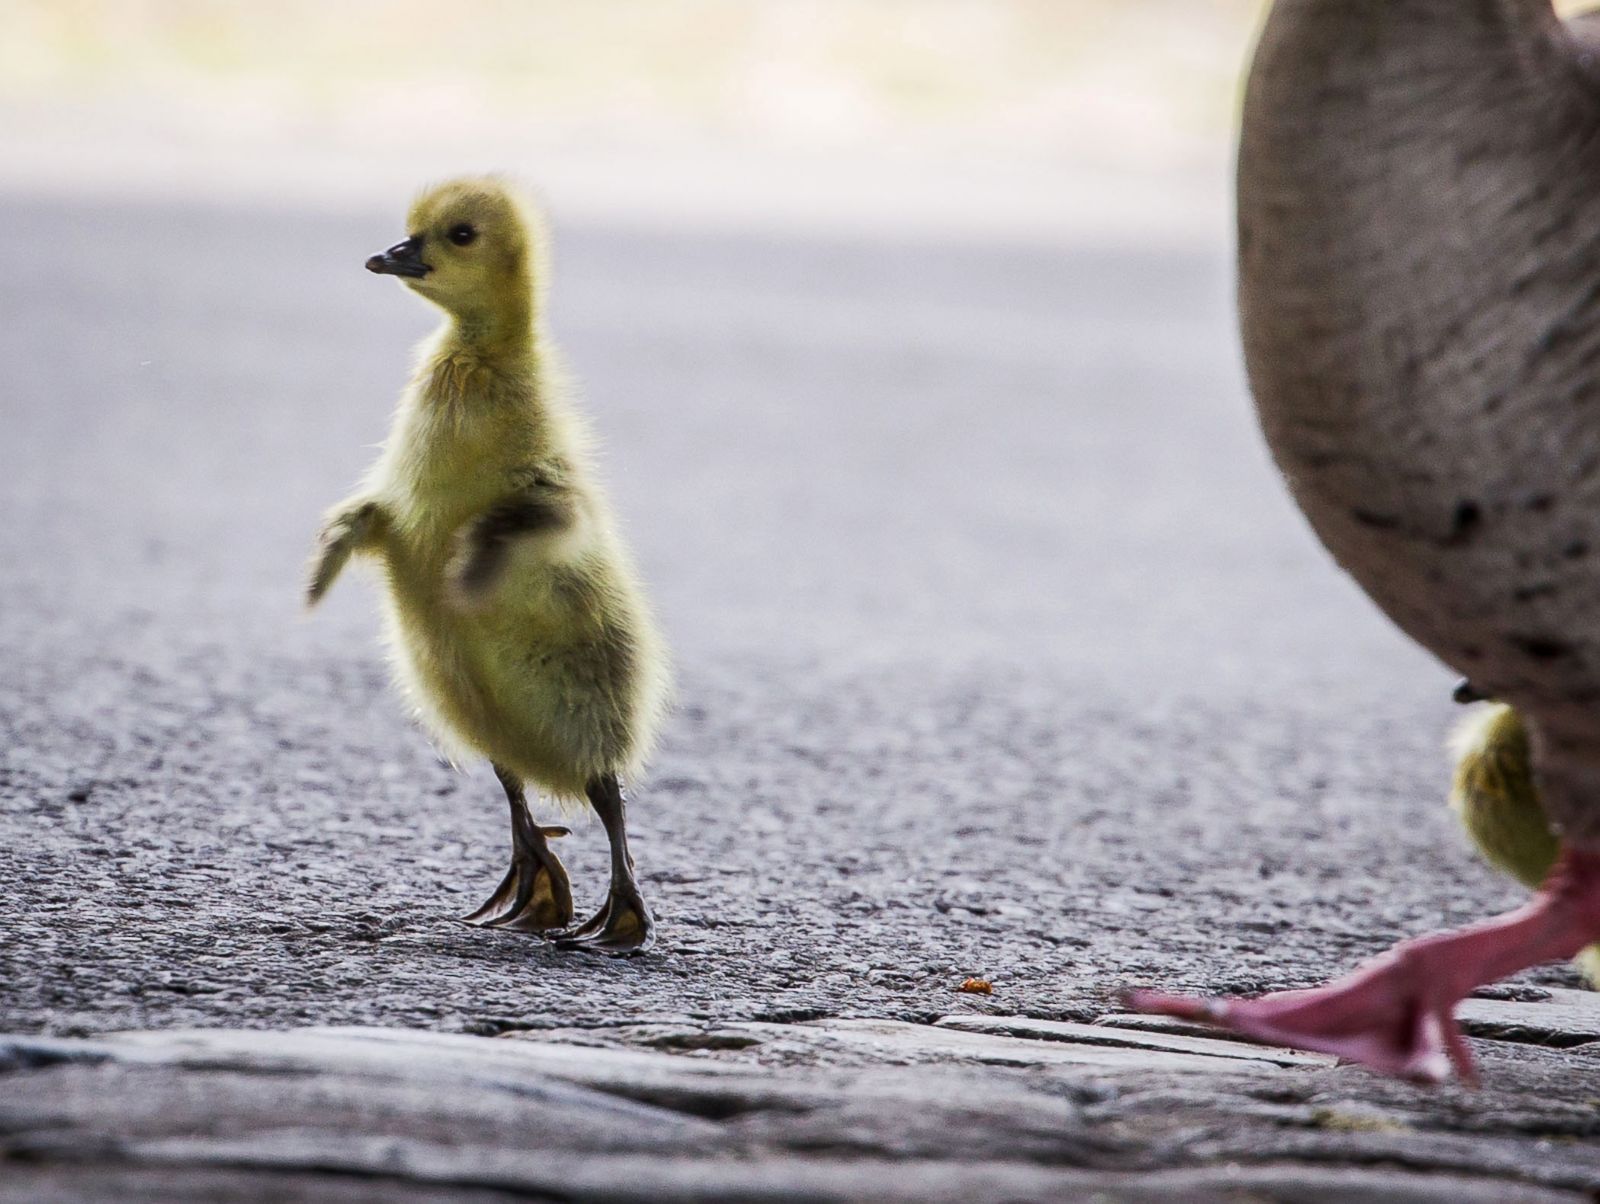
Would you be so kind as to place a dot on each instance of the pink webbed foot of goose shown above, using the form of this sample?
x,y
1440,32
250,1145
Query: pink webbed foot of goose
x,y
1396,1013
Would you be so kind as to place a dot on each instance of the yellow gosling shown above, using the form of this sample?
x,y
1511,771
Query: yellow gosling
x,y
1497,800
518,625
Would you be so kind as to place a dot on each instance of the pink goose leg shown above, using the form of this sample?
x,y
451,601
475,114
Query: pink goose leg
x,y
1395,1014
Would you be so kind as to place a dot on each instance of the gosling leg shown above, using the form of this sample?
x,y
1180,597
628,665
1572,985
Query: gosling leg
x,y
535,895
623,926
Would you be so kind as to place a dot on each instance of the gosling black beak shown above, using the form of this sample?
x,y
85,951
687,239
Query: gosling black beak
x,y
402,259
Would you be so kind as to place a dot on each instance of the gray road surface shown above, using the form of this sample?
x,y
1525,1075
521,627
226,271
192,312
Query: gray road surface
x,y
1002,651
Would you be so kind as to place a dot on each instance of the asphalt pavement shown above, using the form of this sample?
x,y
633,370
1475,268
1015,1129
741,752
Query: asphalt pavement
x,y
1002,651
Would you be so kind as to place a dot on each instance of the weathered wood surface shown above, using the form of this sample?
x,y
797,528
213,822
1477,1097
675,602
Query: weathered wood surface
x,y
971,1108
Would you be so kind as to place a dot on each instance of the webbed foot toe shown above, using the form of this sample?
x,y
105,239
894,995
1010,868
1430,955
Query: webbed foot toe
x,y
623,927
534,896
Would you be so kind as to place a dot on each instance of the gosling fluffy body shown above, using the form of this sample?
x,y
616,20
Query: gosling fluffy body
x,y
530,644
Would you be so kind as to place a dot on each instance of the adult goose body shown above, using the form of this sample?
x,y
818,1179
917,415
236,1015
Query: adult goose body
x,y
1419,289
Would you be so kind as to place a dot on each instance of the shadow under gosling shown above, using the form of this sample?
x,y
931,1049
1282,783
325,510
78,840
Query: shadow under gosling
x,y
519,629
1495,797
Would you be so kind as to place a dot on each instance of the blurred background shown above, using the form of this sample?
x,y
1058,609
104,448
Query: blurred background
x,y
907,327
1027,116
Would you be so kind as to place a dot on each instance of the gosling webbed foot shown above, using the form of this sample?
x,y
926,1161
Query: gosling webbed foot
x,y
623,927
534,896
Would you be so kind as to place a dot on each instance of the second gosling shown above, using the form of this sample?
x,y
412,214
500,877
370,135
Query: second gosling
x,y
1497,800
519,628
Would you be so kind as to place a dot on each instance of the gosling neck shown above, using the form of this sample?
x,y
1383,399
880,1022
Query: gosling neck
x,y
502,332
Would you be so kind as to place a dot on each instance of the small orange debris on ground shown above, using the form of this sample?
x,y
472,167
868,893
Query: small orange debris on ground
x,y
977,986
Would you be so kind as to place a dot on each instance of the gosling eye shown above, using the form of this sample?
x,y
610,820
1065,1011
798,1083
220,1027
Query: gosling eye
x,y
462,234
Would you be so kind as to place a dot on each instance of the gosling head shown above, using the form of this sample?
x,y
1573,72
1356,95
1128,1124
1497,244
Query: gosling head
x,y
473,249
